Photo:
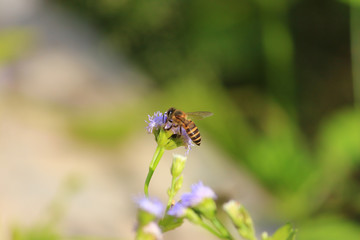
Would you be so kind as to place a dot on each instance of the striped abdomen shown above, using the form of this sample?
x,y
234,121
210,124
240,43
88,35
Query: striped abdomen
x,y
193,132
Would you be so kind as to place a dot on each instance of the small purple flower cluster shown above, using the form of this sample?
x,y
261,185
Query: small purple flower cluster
x,y
178,210
156,121
151,205
148,225
198,193
159,120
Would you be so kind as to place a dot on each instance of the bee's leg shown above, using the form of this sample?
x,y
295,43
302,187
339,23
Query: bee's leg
x,y
178,128
166,124
174,126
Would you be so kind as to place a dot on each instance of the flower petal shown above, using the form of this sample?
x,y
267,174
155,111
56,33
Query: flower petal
x,y
151,205
199,192
178,210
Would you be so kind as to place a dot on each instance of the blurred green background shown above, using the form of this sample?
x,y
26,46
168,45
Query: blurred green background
x,y
281,77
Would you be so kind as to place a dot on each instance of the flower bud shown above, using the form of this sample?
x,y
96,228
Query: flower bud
x,y
178,165
178,183
240,218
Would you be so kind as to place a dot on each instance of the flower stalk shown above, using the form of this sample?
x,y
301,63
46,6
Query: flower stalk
x,y
154,162
220,227
241,219
175,187
176,170
193,217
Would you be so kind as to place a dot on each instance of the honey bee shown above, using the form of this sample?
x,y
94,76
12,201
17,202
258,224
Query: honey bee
x,y
177,118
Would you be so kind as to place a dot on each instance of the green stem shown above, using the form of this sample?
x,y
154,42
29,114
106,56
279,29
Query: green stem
x,y
171,194
154,162
220,227
210,229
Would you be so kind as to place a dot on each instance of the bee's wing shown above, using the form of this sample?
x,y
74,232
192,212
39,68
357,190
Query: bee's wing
x,y
198,115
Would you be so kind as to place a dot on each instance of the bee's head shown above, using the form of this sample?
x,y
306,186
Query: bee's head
x,y
170,112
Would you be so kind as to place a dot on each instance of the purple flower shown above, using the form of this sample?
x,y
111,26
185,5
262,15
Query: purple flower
x,y
151,205
198,193
155,121
178,210
159,120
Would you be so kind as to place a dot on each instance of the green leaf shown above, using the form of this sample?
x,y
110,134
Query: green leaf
x,y
169,223
286,232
